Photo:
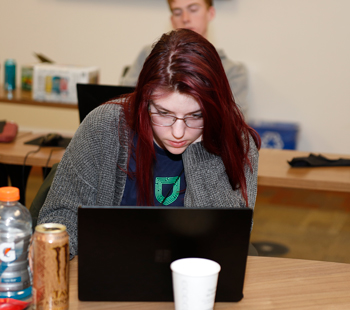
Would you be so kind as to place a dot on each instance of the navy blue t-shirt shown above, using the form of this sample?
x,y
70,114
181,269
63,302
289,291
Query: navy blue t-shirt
x,y
169,188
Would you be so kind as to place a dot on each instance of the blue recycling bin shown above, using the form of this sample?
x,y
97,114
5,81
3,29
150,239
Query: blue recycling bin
x,y
277,135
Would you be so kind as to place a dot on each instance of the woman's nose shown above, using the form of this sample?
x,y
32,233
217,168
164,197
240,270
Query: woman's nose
x,y
178,129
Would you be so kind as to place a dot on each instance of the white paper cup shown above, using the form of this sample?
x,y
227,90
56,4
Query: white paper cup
x,y
194,283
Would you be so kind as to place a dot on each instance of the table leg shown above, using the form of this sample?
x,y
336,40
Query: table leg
x,y
3,176
19,176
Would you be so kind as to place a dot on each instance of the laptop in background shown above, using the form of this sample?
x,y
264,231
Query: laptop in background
x,y
90,96
124,253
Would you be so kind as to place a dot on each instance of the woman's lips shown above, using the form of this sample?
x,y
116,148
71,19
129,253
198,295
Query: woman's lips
x,y
177,143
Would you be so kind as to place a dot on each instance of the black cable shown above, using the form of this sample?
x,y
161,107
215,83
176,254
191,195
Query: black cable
x,y
48,160
46,165
24,165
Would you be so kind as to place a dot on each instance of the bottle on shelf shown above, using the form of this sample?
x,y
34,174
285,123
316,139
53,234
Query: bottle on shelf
x,y
10,77
15,234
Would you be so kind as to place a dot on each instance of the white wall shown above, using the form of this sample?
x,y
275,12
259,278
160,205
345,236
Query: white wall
x,y
297,51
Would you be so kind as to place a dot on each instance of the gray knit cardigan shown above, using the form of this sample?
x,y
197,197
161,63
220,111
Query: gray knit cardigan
x,y
89,173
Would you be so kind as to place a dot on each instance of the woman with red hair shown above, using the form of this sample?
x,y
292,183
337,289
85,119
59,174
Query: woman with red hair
x,y
178,140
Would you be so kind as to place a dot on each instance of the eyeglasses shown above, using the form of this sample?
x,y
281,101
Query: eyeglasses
x,y
169,120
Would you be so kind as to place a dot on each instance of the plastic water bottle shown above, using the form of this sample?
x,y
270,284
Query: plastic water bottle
x,y
15,233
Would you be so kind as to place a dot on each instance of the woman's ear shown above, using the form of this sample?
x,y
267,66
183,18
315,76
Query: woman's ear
x,y
211,13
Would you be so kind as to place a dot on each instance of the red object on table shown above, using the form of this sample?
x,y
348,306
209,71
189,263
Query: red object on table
x,y
13,304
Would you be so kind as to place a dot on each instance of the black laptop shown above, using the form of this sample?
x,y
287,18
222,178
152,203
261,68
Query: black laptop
x,y
124,253
90,96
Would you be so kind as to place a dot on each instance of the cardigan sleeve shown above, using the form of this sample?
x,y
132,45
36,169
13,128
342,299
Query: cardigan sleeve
x,y
81,178
208,184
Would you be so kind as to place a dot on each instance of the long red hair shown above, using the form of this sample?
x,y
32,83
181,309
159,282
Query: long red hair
x,y
185,62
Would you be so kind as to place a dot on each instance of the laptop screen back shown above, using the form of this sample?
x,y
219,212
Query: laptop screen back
x,y
90,96
124,253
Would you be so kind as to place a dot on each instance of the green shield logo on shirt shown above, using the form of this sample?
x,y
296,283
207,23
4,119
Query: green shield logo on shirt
x,y
159,189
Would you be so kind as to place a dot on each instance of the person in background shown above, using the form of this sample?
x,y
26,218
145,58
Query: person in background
x,y
178,140
196,15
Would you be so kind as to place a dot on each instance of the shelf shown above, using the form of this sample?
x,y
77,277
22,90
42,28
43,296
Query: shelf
x,y
25,97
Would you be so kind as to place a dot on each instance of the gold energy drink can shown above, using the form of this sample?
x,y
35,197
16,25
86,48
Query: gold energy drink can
x,y
50,267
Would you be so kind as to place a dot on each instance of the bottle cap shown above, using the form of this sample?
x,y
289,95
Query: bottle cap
x,y
9,193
